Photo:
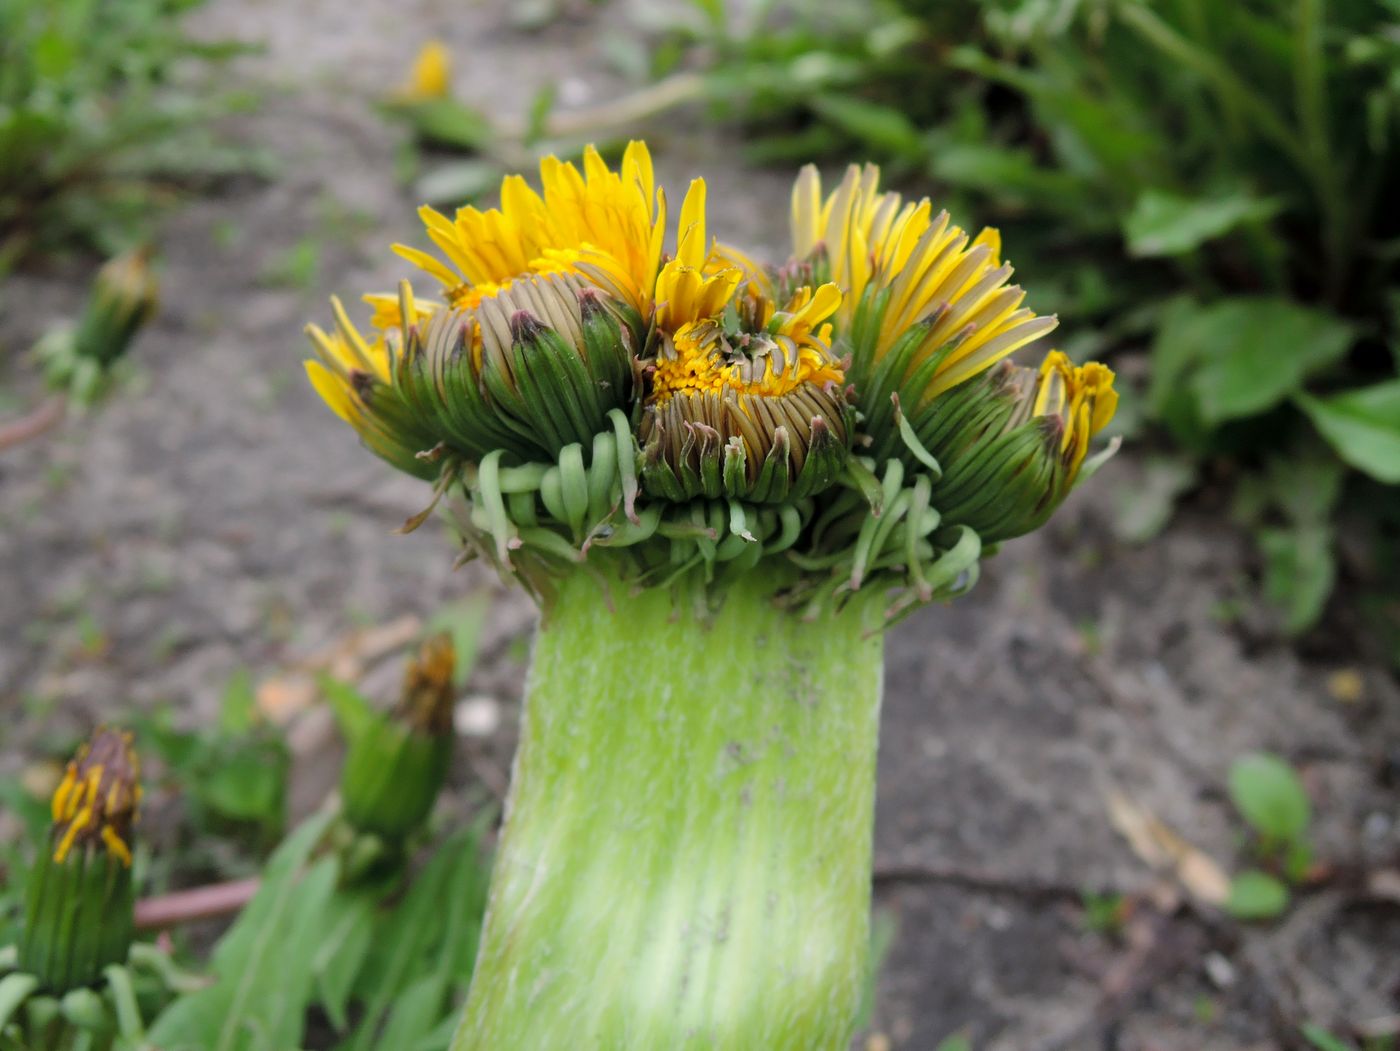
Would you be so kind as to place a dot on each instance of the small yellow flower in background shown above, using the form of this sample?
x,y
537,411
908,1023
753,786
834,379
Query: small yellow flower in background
x,y
431,74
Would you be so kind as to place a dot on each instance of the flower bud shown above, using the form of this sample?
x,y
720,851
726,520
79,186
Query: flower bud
x,y
79,910
750,406
124,298
397,763
530,370
1011,442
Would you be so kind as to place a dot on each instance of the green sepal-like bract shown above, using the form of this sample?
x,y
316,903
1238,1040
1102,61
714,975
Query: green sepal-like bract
x,y
78,918
528,372
396,762
709,466
392,777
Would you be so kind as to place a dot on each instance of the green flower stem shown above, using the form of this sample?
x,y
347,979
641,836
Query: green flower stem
x,y
686,854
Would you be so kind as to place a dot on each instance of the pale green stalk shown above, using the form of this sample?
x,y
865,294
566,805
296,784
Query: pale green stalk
x,y
686,854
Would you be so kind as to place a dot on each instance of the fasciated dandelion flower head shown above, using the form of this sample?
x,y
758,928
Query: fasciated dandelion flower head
x,y
587,390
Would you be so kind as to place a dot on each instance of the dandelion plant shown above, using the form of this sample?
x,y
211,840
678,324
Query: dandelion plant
x,y
721,481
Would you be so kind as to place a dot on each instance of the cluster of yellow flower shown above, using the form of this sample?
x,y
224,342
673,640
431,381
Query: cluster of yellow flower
x,y
877,339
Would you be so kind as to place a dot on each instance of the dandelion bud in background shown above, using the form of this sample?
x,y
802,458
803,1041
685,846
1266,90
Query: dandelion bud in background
x,y
397,762
123,299
78,915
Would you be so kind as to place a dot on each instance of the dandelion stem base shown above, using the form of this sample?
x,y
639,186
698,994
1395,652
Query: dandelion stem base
x,y
686,855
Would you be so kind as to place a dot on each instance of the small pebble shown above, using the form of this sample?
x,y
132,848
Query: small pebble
x,y
998,918
1376,826
477,716
1220,971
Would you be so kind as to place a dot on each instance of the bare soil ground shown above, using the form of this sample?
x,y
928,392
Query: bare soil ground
x,y
214,516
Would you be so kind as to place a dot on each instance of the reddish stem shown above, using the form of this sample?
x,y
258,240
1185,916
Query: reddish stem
x,y
197,903
33,423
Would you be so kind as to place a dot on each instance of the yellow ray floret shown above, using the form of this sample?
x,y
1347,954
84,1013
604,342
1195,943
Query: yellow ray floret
x,y
699,282
928,270
605,225
1083,398
343,352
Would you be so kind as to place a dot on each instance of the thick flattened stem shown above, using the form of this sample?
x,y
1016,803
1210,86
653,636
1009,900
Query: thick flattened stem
x,y
686,855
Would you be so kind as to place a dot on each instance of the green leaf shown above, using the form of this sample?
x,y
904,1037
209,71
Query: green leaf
x,y
433,931
15,989
1363,425
349,933
1323,1040
353,712
247,784
440,1039
1256,895
264,963
1165,224
1300,571
1270,796
462,620
448,122
417,1012
956,1042
1241,357
458,182
238,711
882,128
